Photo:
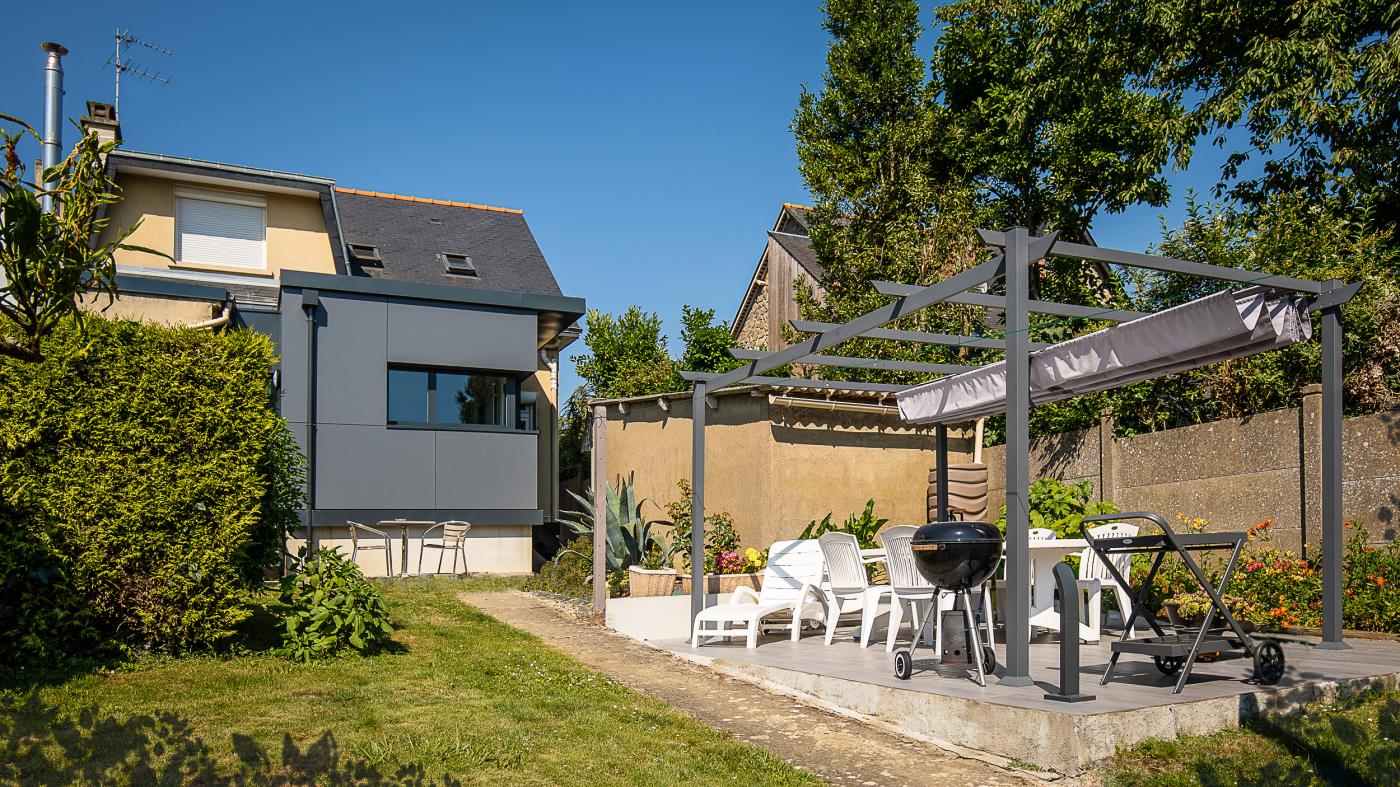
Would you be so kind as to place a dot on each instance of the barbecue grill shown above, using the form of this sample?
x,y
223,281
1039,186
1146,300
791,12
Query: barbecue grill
x,y
958,557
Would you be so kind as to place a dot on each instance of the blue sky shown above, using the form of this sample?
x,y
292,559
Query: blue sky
x,y
647,143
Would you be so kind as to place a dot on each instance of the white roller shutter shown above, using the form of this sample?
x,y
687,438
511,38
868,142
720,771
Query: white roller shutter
x,y
217,229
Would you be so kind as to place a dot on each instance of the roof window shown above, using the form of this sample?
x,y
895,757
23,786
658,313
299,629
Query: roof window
x,y
458,264
365,254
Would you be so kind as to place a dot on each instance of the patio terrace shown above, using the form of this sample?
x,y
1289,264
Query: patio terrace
x,y
1017,722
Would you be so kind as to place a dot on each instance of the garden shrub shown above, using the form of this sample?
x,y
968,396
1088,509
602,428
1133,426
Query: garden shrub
x,y
569,573
330,608
145,482
720,535
1061,506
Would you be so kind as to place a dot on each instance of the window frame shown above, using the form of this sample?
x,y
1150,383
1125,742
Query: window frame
x,y
513,390
226,197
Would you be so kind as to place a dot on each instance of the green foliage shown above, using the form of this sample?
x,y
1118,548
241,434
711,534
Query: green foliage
x,y
568,573
720,535
707,345
630,536
573,428
330,608
627,355
865,526
145,483
1061,507
52,260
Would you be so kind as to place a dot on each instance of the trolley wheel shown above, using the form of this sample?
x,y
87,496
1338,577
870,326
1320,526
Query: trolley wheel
x,y
903,664
1268,662
989,660
1168,665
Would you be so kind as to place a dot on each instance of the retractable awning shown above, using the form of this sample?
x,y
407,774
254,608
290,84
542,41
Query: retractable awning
x,y
1208,330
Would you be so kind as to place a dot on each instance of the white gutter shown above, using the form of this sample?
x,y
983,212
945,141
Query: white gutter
x,y
832,405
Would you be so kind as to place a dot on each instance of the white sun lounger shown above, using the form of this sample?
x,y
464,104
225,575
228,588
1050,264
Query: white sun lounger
x,y
791,592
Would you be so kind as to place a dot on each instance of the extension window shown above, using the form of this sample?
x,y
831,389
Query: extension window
x,y
447,398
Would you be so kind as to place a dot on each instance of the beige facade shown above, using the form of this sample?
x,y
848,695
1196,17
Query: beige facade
x,y
773,467
296,226
162,309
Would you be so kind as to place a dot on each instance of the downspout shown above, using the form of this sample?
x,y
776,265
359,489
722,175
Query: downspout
x,y
53,116
310,301
223,319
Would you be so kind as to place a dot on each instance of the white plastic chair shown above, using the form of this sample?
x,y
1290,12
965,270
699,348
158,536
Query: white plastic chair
x,y
373,533
1094,576
791,584
453,538
907,585
850,586
1041,533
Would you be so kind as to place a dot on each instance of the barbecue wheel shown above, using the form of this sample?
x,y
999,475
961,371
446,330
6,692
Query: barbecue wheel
x,y
1168,665
903,664
989,660
1268,662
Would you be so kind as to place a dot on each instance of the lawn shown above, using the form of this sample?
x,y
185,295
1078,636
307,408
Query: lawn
x,y
461,698
1353,742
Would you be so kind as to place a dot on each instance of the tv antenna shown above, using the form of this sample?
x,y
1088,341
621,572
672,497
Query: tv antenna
x,y
127,65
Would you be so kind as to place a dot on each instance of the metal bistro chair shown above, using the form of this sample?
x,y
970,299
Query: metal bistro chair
x,y
453,537
372,533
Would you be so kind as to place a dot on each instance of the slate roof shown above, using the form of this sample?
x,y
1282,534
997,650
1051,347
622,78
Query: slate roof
x,y
800,247
498,240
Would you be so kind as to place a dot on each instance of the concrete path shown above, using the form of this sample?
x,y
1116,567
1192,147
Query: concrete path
x,y
839,750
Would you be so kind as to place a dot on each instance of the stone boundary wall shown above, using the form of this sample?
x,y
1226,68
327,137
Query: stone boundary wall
x,y
1233,472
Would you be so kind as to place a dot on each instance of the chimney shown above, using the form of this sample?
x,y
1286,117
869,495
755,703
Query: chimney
x,y
101,119
53,112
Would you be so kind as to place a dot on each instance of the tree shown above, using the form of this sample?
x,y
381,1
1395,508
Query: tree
x,y
51,260
627,355
707,345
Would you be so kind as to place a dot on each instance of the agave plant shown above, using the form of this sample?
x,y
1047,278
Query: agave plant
x,y
630,537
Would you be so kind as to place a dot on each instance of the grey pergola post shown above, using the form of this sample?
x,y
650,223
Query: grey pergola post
x,y
1332,545
600,508
697,499
1018,407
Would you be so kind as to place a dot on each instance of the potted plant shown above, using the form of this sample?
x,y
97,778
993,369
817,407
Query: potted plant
x,y
654,576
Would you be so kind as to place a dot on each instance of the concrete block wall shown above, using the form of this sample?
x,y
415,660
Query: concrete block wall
x,y
1233,472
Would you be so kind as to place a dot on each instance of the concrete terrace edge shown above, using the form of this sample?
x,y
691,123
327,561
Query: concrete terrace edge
x,y
1061,742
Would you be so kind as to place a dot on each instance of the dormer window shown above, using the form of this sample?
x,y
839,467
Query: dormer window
x,y
365,254
457,264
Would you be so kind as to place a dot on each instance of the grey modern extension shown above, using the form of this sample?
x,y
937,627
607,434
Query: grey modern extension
x,y
419,340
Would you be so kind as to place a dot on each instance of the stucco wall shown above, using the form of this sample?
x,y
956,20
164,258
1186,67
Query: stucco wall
x,y
1234,472
296,227
776,468
160,309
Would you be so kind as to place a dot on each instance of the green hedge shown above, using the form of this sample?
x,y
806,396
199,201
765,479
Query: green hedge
x,y
145,483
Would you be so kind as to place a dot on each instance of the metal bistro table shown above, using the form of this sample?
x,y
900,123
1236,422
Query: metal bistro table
x,y
404,525
1178,651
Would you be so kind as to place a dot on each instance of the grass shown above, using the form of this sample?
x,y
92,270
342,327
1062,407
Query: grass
x,y
1356,741
462,698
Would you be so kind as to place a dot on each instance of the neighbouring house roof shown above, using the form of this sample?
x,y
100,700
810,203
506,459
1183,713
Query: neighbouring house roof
x,y
789,231
411,233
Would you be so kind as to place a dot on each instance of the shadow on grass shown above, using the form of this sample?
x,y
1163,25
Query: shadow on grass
x,y
41,745
1330,749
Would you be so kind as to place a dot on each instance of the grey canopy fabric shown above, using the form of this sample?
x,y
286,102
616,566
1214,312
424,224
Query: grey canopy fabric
x,y
1211,329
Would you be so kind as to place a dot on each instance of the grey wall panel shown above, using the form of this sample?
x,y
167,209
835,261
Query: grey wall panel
x,y
486,470
373,467
350,382
292,346
466,336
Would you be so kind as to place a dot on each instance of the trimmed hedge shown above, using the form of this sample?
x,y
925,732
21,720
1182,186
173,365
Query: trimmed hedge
x,y
145,482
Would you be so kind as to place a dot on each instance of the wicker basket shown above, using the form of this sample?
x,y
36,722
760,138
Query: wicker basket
x,y
725,583
651,581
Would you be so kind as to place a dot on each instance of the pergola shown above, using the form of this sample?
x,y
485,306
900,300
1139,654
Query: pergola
x,y
1013,386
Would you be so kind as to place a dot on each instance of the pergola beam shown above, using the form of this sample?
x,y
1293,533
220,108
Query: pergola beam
x,y
1167,264
798,382
861,363
918,337
999,302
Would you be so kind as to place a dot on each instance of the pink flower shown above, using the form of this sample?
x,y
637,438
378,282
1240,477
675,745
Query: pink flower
x,y
729,562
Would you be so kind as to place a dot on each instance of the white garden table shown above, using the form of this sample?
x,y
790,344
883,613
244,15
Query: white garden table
x,y
1045,553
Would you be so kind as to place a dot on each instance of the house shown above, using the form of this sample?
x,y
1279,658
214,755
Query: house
x,y
419,338
769,301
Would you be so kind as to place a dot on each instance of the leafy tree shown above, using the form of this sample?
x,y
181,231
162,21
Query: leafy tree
x,y
573,428
51,260
707,345
627,355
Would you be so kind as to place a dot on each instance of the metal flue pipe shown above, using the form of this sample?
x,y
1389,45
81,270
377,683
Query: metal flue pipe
x,y
53,114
